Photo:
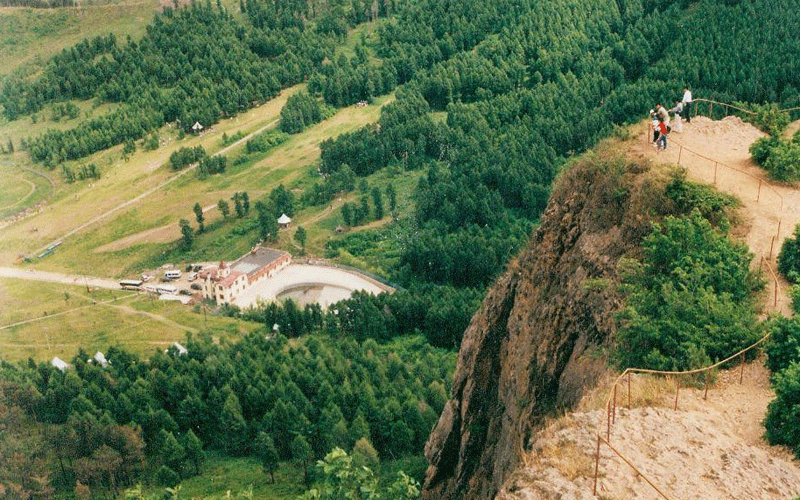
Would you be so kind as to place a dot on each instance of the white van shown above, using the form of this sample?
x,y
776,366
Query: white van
x,y
166,289
172,274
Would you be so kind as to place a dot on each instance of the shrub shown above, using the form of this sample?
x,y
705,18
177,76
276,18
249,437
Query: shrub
x,y
761,148
783,347
789,257
782,422
689,299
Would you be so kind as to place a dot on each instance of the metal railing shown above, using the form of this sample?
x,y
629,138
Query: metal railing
x,y
625,376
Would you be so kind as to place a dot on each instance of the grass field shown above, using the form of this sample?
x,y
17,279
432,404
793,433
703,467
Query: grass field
x,y
291,163
28,37
42,320
220,475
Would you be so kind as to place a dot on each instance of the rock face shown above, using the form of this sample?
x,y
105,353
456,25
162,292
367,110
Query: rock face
x,y
540,335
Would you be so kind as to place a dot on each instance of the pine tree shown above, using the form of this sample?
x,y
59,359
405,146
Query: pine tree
x,y
187,233
377,201
266,452
198,213
300,237
223,208
194,450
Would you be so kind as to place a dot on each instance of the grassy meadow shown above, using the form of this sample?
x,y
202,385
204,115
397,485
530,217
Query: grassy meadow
x,y
42,320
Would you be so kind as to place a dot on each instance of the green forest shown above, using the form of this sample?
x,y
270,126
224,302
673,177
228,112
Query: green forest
x,y
492,101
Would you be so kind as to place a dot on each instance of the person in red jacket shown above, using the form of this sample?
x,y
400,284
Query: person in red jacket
x,y
663,130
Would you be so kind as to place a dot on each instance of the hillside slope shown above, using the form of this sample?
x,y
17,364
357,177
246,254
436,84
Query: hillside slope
x,y
540,334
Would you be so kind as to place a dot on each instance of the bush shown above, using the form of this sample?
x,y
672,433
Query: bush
x,y
782,422
783,347
690,300
761,148
789,257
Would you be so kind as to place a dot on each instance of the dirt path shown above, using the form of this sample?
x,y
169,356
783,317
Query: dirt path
x,y
156,317
66,279
717,152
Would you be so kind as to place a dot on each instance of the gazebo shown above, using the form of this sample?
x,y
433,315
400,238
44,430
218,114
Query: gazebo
x,y
284,221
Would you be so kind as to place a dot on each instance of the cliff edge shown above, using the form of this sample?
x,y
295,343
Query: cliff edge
x,y
541,335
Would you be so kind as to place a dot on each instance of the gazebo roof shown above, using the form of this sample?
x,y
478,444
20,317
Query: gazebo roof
x,y
284,219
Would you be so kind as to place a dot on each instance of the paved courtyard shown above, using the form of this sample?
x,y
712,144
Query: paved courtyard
x,y
309,284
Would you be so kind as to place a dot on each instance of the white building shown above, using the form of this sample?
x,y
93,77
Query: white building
x,y
225,282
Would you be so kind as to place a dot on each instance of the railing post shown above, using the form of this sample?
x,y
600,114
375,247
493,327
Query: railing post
x,y
677,391
758,196
596,465
680,150
705,392
614,408
629,390
779,228
741,373
771,245
711,110
608,422
775,303
715,173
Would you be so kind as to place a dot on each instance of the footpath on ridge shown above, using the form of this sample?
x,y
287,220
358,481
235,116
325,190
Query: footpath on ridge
x,y
700,446
717,152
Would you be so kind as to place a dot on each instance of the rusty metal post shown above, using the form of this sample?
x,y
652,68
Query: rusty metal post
x,y
614,408
779,228
771,245
711,110
705,392
680,150
726,110
715,173
677,391
596,465
695,108
775,303
759,264
758,196
629,390
608,422
741,373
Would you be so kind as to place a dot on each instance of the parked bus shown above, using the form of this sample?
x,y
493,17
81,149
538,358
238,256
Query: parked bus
x,y
130,284
172,274
166,289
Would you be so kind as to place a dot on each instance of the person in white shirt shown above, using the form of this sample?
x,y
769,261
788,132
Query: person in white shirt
x,y
687,104
678,110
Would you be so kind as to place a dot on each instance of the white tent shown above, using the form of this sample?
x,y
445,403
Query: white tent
x,y
197,127
284,220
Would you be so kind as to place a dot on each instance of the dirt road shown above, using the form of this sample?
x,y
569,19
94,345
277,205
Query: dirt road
x,y
66,279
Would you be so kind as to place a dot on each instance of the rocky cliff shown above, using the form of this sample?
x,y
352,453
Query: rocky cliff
x,y
541,335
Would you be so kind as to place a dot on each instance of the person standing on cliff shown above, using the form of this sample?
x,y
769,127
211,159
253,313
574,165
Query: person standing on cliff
x,y
663,130
662,114
678,111
687,104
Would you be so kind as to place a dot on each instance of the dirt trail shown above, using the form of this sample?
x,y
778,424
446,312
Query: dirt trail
x,y
717,152
706,449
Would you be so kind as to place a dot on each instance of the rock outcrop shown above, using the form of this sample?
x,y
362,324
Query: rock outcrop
x,y
541,334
